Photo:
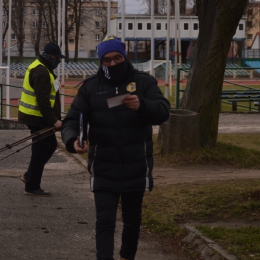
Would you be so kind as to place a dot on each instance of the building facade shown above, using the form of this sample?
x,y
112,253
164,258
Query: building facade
x,y
91,18
138,35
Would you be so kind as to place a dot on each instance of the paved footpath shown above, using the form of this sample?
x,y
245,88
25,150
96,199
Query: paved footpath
x,y
62,226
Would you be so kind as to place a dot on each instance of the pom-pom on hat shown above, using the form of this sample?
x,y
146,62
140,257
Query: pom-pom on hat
x,y
109,44
53,49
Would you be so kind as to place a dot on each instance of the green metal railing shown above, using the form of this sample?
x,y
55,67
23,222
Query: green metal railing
x,y
2,105
238,91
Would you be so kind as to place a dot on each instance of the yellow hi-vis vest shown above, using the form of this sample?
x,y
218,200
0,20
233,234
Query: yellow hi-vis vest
x,y
28,103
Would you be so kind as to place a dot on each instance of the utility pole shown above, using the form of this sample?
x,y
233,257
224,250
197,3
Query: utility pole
x,y
167,50
152,39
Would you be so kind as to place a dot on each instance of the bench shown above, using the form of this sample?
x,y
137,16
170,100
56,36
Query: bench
x,y
234,102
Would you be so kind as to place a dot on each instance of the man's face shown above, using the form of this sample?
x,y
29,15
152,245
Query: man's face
x,y
112,58
55,58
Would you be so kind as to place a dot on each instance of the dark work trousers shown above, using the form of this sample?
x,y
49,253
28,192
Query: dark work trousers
x,y
106,208
41,153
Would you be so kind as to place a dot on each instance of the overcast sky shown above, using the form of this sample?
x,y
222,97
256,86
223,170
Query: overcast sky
x,y
133,6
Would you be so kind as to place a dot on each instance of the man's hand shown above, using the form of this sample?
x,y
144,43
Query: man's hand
x,y
132,102
58,124
79,149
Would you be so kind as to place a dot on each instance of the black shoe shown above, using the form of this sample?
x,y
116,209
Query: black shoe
x,y
38,192
23,178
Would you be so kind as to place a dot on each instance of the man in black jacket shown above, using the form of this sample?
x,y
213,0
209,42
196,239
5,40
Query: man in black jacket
x,y
40,108
119,104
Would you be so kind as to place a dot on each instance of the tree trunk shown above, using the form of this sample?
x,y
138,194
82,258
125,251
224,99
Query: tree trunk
x,y
218,20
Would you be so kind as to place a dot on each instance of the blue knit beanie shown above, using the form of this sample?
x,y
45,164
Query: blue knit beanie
x,y
109,44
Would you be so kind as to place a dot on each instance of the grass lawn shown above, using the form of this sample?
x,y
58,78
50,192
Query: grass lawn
x,y
227,211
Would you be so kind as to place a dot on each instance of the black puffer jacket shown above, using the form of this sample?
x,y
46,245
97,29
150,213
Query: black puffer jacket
x,y
120,139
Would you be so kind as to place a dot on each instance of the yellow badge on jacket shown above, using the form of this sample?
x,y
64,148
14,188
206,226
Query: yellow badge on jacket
x,y
131,87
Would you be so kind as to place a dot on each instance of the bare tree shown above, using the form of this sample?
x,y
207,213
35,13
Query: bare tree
x,y
96,17
160,6
36,20
75,11
6,10
18,12
51,20
218,21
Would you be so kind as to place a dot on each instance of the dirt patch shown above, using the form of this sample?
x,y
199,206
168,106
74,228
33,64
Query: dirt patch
x,y
200,173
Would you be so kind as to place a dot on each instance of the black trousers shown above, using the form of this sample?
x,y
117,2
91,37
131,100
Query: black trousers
x,y
41,153
106,208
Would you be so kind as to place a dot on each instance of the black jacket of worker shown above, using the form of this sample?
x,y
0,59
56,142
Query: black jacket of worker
x,y
40,81
120,139
42,149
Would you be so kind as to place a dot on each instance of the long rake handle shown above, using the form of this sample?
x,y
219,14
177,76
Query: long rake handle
x,y
17,151
39,133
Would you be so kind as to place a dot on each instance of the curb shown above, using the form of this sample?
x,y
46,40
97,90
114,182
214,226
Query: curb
x,y
76,156
12,125
208,249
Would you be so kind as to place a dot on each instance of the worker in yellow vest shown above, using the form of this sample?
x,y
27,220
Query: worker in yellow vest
x,y
39,108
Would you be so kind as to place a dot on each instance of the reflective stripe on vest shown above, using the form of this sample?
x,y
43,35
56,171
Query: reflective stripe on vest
x,y
28,103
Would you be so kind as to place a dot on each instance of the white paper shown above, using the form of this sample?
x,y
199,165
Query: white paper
x,y
56,84
116,101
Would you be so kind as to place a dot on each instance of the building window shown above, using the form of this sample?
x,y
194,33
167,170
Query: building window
x,y
4,24
158,26
45,37
35,24
98,12
13,37
165,26
148,26
81,48
97,37
71,16
186,26
241,27
250,11
34,36
97,24
249,24
250,36
120,26
4,12
24,37
24,11
71,40
130,26
93,54
46,11
139,26
195,26
35,12
23,24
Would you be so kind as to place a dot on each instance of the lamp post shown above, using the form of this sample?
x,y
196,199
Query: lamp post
x,y
108,15
61,41
7,92
167,50
152,38
1,33
123,20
